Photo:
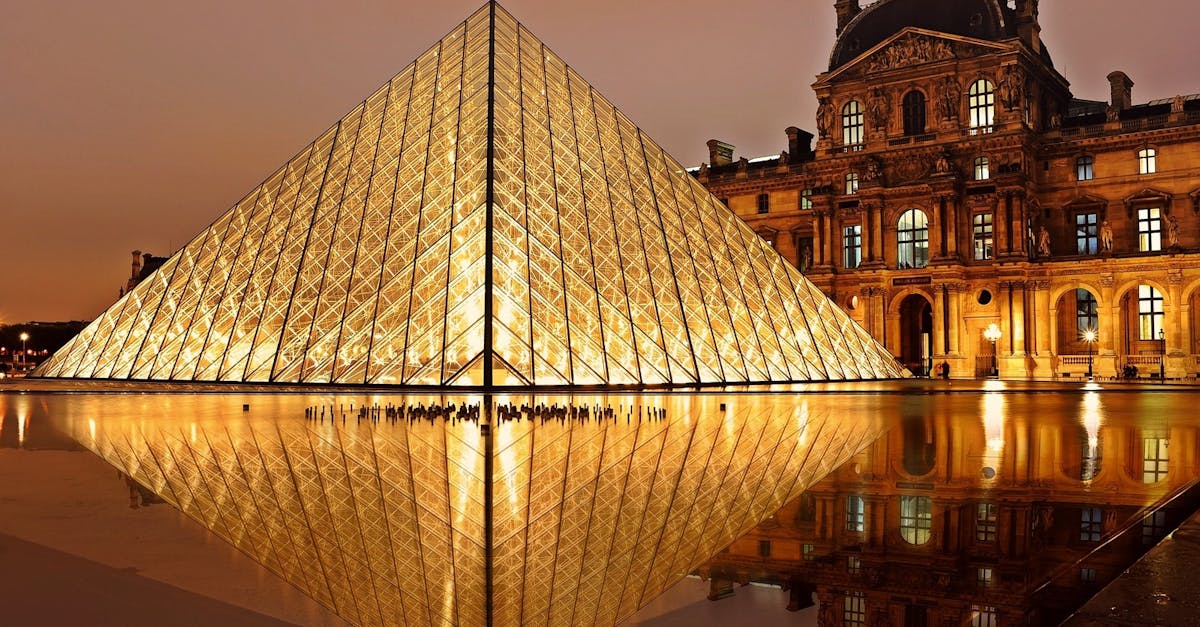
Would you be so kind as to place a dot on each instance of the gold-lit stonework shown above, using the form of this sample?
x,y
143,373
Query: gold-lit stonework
x,y
486,218
386,522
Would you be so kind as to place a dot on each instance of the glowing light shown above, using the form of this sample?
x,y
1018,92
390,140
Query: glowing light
x,y
993,421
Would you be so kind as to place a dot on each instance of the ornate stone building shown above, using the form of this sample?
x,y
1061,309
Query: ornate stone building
x,y
1015,519
957,184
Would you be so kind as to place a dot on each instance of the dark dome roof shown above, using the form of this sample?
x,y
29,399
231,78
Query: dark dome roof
x,y
981,19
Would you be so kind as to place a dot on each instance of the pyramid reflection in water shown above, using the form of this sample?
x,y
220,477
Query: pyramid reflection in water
x,y
385,523
485,218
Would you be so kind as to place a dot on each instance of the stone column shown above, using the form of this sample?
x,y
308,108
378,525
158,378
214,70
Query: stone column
x,y
1004,345
818,233
1018,318
1020,234
955,212
1174,315
939,320
1110,313
955,297
832,237
878,234
1042,324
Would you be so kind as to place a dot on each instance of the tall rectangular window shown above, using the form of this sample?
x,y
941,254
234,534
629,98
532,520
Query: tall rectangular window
x,y
1154,527
764,203
984,616
1087,312
1091,524
1150,313
1150,230
916,519
852,244
981,104
854,565
1085,168
1154,460
855,520
1087,233
853,124
852,183
983,577
1147,161
854,609
983,170
981,227
985,522
806,199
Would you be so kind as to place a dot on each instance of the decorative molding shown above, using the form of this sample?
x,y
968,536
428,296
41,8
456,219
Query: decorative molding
x,y
908,51
1148,195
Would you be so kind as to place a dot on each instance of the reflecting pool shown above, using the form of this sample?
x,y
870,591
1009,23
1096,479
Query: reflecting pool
x,y
917,503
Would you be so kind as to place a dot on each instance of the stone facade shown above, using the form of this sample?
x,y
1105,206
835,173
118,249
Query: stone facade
x,y
1045,215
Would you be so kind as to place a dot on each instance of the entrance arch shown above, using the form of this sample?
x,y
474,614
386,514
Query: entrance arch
x,y
1077,311
916,334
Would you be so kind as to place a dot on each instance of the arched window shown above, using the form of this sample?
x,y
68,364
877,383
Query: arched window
x,y
852,183
916,519
1150,312
912,240
982,105
1147,161
914,113
983,169
852,124
1085,168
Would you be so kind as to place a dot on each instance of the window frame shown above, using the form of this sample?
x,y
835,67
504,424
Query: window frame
x,y
763,203
915,110
983,235
1091,524
852,246
1087,233
981,105
1150,229
916,519
806,198
1087,312
982,168
856,507
852,183
987,518
854,124
1151,314
912,239
1147,161
854,609
1156,462
1085,168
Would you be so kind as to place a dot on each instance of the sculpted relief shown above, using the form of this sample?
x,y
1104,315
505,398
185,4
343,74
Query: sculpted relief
x,y
912,50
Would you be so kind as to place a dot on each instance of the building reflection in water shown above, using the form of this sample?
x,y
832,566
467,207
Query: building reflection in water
x,y
438,522
1016,518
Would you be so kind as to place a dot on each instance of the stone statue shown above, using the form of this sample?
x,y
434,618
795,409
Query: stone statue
x,y
806,258
1106,237
874,171
1177,104
703,173
880,110
950,97
1043,242
1012,88
1172,232
942,165
783,158
825,119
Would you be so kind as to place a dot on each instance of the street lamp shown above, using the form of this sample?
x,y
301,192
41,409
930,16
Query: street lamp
x,y
992,334
1162,354
1090,336
24,338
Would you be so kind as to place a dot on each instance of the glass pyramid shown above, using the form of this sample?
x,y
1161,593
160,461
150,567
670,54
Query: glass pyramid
x,y
439,523
486,218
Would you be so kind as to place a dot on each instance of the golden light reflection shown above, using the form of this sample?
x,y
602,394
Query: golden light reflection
x,y
993,421
1092,421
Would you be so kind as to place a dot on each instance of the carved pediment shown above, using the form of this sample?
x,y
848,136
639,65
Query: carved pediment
x,y
1148,195
912,47
1086,201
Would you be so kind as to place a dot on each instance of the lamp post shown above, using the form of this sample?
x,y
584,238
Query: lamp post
x,y
1162,355
24,338
992,334
1090,337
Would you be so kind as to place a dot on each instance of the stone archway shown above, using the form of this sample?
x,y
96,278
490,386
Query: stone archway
x,y
916,334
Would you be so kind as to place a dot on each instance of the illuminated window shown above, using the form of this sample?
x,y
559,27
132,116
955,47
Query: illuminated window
x,y
916,519
1154,527
852,183
806,199
1085,168
981,228
982,170
1149,230
1091,524
912,240
853,565
808,552
854,514
983,577
1154,459
1087,312
982,105
1087,233
852,244
984,616
985,522
914,113
854,609
1147,161
852,124
1150,313
764,203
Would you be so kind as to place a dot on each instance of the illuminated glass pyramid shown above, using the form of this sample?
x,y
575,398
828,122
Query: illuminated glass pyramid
x,y
485,218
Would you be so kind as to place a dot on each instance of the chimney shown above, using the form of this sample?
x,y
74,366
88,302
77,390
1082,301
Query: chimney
x,y
1122,91
719,153
1028,28
846,10
137,264
799,143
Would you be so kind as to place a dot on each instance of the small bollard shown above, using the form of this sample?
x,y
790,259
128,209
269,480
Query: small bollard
x,y
245,406
722,406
